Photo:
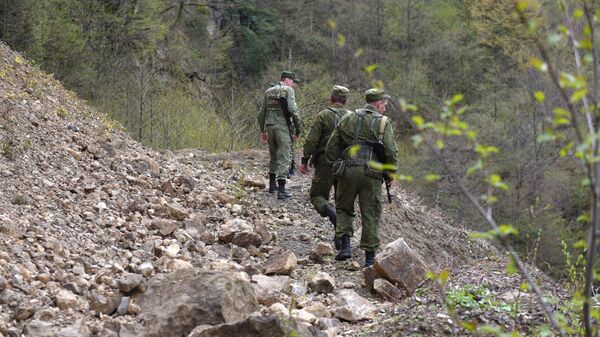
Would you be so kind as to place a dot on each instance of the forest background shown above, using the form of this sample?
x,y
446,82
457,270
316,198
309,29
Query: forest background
x,y
191,74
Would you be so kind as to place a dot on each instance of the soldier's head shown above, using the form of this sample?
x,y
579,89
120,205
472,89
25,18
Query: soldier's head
x,y
377,98
289,78
339,95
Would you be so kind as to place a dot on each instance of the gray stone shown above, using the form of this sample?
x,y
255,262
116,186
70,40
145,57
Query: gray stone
x,y
247,238
129,282
282,263
322,283
350,306
195,297
260,327
37,328
388,291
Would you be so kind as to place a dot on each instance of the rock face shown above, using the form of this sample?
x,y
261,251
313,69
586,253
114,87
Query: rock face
x,y
194,297
400,265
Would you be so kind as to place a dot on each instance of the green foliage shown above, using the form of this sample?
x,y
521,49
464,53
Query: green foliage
x,y
471,297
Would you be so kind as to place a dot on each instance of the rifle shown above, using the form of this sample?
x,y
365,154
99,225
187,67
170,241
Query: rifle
x,y
379,152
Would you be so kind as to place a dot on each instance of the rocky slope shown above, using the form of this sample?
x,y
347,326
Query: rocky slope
x,y
100,236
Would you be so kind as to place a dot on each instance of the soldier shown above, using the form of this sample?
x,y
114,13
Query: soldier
x,y
314,148
278,107
349,149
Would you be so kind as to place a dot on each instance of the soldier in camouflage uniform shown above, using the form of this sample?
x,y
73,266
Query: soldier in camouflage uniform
x,y
314,148
348,144
275,130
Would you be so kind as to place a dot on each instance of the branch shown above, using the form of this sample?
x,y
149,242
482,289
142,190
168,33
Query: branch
x,y
490,220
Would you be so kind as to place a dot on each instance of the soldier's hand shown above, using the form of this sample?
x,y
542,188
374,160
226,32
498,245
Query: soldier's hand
x,y
304,168
294,138
264,137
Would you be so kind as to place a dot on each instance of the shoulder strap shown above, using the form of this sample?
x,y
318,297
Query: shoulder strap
x,y
336,119
382,126
361,115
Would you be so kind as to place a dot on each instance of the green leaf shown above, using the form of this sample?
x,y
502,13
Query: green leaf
x,y
478,166
577,14
457,98
521,5
547,136
370,68
554,38
353,150
524,286
331,23
418,120
481,235
581,244
506,230
430,275
538,64
566,149
578,95
585,218
539,96
471,134
511,268
432,177
440,144
469,326
375,165
417,140
359,52
341,40
496,181
402,177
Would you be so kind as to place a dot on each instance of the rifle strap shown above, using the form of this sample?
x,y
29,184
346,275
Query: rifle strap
x,y
382,126
336,119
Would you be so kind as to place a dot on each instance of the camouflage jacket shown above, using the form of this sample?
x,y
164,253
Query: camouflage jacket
x,y
324,123
343,136
271,114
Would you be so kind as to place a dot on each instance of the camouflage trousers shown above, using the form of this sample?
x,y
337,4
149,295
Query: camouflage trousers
x,y
322,182
280,145
368,190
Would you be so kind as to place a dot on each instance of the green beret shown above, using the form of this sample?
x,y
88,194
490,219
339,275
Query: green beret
x,y
290,75
339,91
375,94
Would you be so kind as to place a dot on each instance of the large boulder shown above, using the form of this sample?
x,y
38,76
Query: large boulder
x,y
259,327
401,265
174,304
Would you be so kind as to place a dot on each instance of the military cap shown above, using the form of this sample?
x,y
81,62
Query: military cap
x,y
290,75
375,94
339,91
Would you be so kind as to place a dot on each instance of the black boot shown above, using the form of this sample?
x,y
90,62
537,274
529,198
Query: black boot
x,y
282,193
346,251
292,170
369,258
330,213
272,183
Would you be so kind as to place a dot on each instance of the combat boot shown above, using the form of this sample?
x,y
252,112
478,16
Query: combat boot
x,y
369,258
330,213
346,251
282,193
292,170
272,183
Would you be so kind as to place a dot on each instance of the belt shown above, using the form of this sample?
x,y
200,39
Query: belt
x,y
356,162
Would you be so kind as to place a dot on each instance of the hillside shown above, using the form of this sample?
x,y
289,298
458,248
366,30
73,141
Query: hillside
x,y
98,233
